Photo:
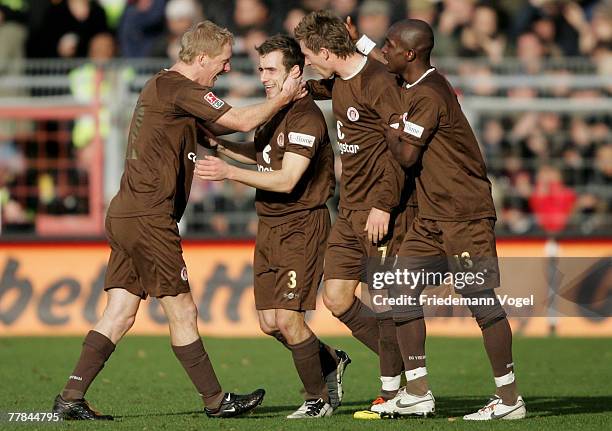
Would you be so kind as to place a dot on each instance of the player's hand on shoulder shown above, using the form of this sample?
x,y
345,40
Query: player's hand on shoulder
x,y
212,168
393,132
377,225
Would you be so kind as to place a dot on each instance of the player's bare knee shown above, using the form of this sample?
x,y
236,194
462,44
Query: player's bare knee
x,y
267,329
186,314
335,303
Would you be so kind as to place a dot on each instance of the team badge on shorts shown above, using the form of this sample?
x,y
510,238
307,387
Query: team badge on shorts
x,y
214,101
184,273
280,139
352,114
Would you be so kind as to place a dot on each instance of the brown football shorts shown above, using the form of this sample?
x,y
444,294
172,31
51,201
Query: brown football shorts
x,y
146,256
455,246
350,254
288,262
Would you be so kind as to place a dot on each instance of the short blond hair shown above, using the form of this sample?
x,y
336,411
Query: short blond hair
x,y
205,37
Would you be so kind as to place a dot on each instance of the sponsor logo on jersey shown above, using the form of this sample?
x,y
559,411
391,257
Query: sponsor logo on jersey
x,y
280,139
348,148
266,153
184,273
412,128
192,156
214,101
352,114
264,169
301,139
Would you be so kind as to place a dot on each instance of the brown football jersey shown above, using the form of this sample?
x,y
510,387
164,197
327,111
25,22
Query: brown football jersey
x,y
452,183
371,177
161,150
299,128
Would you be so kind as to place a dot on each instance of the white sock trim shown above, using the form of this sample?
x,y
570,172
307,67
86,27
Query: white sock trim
x,y
504,380
391,383
416,373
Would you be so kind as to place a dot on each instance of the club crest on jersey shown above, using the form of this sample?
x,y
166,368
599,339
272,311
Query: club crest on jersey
x,y
214,101
184,273
280,139
352,114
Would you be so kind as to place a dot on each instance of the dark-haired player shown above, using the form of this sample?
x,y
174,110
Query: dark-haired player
x,y
294,180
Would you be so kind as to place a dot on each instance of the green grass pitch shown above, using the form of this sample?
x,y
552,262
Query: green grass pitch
x,y
567,384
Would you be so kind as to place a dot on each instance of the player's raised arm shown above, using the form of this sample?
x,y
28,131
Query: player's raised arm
x,y
282,181
247,118
364,44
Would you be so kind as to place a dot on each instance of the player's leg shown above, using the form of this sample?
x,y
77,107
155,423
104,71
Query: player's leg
x,y
416,398
471,247
339,297
100,342
344,260
187,345
124,293
267,324
305,346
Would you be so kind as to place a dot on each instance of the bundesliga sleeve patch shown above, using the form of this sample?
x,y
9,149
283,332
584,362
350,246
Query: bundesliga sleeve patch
x,y
214,101
413,129
301,139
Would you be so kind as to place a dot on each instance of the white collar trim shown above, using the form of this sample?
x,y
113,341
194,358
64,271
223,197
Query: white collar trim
x,y
421,78
364,60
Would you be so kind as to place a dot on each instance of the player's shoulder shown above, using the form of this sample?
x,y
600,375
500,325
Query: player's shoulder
x,y
305,110
375,73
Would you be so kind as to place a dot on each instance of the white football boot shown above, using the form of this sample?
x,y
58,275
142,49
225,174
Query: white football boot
x,y
405,404
495,409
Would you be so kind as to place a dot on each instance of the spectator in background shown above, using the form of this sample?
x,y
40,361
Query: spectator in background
x,y
482,37
141,24
13,33
70,28
249,14
530,52
551,202
422,9
344,8
293,18
456,14
556,11
374,19
180,16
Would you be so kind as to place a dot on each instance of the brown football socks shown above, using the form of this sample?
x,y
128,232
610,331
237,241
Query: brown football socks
x,y
390,358
329,358
197,364
327,355
308,365
411,338
497,340
96,350
362,323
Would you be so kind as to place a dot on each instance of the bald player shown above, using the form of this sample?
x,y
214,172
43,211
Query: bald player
x,y
455,223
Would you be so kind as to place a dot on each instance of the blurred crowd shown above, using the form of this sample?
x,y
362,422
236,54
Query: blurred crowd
x,y
529,29
550,170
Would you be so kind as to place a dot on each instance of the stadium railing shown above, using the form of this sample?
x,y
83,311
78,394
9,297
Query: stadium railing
x,y
79,162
